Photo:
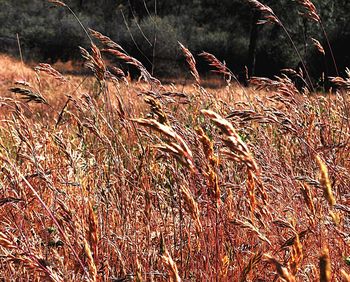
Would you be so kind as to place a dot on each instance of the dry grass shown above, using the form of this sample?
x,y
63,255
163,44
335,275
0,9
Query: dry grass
x,y
13,70
103,179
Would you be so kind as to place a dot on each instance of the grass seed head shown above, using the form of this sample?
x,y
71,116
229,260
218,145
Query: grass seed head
x,y
318,45
325,182
57,3
191,62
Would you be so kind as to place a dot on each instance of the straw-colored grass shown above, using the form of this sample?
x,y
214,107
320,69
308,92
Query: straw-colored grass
x,y
104,179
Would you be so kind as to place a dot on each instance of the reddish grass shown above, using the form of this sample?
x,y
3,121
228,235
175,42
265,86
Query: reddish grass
x,y
117,180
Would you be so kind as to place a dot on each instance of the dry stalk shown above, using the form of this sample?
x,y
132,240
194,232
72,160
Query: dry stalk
x,y
291,241
30,260
345,275
132,61
156,109
247,224
306,191
282,271
229,208
312,14
57,3
311,11
248,115
93,232
90,262
341,82
217,64
253,261
296,255
325,182
180,150
29,95
266,12
119,74
270,17
211,175
239,151
225,263
47,68
191,62
325,266
45,207
251,191
95,62
6,242
318,45
105,40
169,262
191,207
283,224
138,271
171,266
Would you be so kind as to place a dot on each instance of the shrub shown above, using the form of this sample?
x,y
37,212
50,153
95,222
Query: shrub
x,y
154,41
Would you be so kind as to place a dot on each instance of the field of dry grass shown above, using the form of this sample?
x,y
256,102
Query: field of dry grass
x,y
104,179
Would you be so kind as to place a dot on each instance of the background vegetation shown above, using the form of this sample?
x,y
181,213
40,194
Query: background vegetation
x,y
149,30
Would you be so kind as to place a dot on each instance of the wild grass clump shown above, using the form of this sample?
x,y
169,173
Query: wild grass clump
x,y
104,179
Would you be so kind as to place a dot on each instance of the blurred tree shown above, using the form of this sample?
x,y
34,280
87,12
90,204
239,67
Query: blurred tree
x,y
225,28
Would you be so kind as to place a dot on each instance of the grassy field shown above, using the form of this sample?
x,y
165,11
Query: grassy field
x,y
104,179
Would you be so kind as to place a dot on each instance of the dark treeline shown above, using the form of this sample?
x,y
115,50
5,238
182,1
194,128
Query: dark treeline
x,y
150,30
